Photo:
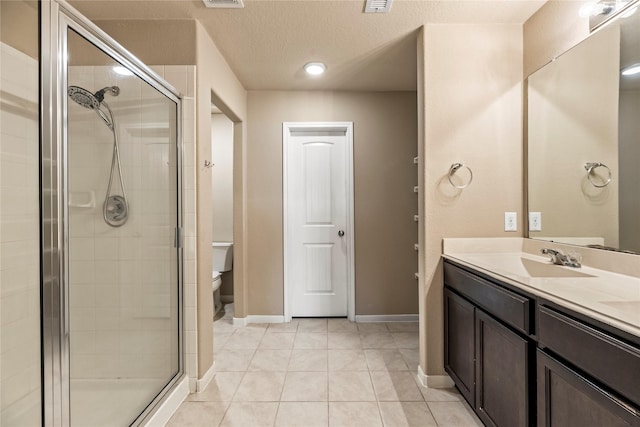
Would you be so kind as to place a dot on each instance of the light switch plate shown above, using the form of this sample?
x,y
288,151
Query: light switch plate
x,y
510,221
535,221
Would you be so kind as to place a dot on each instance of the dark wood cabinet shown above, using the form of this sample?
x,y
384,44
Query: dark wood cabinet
x,y
521,360
502,379
460,349
486,349
602,356
567,398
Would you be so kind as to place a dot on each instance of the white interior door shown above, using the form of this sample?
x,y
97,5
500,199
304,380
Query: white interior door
x,y
318,219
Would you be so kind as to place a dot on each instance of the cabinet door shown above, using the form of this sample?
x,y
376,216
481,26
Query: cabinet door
x,y
459,343
502,397
567,399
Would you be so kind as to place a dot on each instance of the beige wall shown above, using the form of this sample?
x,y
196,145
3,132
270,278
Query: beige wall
x,y
473,115
17,20
222,177
222,187
573,120
156,42
385,143
215,81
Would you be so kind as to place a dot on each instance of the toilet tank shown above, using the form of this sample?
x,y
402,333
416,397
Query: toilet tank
x,y
222,256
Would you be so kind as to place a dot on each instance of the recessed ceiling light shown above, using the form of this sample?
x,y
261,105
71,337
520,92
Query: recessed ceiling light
x,y
631,70
315,68
119,69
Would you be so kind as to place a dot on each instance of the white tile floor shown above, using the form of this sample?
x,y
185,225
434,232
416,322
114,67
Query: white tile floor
x,y
319,372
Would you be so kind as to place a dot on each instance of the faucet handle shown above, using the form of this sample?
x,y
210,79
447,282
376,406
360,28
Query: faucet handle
x,y
553,252
574,258
555,256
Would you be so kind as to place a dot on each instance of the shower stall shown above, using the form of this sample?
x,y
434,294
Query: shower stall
x,y
90,193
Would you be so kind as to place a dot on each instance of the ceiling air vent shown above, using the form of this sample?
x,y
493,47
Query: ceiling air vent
x,y
377,6
224,4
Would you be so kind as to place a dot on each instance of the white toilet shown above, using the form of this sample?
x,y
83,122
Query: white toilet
x,y
222,261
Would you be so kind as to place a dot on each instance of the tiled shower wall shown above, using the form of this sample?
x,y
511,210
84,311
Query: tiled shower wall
x,y
19,240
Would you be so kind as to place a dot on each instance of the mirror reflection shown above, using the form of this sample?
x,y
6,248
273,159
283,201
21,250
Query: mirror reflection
x,y
584,142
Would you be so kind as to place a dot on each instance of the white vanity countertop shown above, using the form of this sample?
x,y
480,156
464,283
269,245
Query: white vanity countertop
x,y
609,297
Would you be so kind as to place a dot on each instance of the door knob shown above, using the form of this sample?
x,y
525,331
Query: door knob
x,y
341,233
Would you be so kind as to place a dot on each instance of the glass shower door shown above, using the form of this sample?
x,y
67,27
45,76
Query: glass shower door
x,y
122,213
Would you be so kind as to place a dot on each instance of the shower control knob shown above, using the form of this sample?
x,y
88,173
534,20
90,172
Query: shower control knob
x,y
341,233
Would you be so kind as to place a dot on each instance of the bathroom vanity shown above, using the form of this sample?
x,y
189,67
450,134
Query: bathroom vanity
x,y
531,343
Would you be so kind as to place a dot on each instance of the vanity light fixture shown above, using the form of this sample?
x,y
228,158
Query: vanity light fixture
x,y
631,70
597,7
119,69
315,68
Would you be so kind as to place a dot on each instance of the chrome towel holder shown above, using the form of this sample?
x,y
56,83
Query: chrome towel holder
x,y
452,171
591,166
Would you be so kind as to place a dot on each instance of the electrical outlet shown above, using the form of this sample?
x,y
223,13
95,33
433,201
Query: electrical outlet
x,y
510,221
535,221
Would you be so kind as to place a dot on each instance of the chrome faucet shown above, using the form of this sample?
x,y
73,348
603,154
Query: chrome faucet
x,y
558,258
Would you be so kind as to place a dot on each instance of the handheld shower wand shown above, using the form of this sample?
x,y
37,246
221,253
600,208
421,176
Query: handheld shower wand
x,y
115,209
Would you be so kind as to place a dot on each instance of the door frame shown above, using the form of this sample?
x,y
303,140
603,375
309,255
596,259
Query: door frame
x,y
347,128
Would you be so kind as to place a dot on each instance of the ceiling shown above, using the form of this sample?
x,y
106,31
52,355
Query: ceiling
x,y
267,43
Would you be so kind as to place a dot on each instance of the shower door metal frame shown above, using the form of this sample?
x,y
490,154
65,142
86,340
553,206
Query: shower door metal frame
x,y
56,18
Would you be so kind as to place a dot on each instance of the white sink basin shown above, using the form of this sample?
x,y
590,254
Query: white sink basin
x,y
539,269
516,265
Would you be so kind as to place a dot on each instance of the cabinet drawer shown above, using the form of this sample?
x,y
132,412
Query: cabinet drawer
x,y
508,306
604,357
568,399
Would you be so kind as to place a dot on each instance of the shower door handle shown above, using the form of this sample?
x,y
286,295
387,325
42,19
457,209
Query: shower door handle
x,y
177,242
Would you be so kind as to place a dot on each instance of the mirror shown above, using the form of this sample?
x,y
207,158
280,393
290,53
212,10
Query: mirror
x,y
584,142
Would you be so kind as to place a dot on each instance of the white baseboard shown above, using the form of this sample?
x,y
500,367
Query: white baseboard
x,y
203,382
170,405
422,377
434,381
440,381
257,318
368,318
240,321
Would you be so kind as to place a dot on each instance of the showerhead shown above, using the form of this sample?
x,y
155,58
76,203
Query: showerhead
x,y
93,101
83,97
90,100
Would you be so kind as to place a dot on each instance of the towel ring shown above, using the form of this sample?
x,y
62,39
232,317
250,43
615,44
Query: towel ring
x,y
594,165
452,171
